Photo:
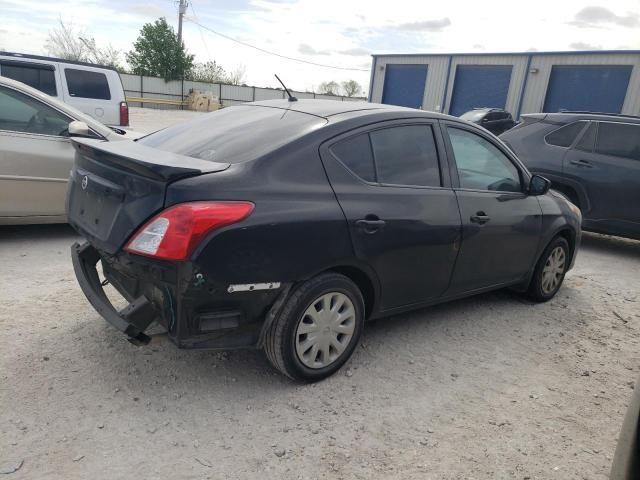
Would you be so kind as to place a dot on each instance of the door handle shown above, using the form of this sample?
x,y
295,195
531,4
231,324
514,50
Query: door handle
x,y
370,225
581,163
480,218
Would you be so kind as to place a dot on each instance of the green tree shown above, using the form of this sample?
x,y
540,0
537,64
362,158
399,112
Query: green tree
x,y
351,88
158,53
207,72
329,88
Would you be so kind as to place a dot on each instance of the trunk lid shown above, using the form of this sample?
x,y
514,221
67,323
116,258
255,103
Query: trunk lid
x,y
115,187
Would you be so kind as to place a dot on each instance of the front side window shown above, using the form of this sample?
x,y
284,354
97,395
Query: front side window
x,y
406,155
38,77
564,136
21,113
86,84
619,140
355,154
481,165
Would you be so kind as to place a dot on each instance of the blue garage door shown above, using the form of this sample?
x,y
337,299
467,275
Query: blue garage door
x,y
404,85
594,88
478,86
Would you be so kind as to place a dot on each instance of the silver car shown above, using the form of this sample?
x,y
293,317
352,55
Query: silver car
x,y
36,154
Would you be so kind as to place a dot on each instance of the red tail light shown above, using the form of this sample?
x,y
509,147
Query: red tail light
x,y
124,114
175,232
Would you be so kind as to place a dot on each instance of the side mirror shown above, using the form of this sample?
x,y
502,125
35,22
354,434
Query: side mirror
x,y
539,185
79,129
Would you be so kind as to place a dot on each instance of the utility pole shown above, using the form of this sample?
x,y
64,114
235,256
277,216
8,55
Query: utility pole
x,y
182,9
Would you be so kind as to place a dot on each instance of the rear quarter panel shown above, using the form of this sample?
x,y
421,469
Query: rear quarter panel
x,y
297,228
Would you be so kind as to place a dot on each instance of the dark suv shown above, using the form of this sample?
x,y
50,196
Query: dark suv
x,y
496,120
594,159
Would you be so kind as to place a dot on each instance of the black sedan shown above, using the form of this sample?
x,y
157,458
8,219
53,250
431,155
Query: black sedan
x,y
286,225
496,120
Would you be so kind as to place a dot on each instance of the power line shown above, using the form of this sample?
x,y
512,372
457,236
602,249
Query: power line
x,y
293,59
197,22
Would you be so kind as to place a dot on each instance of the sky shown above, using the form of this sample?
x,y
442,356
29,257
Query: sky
x,y
334,33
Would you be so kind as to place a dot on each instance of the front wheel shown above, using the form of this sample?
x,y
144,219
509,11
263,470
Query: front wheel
x,y
550,270
318,328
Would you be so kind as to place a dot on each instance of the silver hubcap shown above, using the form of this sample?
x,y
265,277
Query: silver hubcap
x,y
553,270
325,330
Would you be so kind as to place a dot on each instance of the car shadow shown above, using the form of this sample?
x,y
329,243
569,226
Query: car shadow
x,y
597,243
46,233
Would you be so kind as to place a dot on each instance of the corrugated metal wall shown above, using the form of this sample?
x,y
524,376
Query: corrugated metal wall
x,y
153,87
538,82
529,77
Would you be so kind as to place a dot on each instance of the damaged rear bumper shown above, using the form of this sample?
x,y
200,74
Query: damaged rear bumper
x,y
197,310
133,320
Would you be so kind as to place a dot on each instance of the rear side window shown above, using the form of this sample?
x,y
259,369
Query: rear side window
x,y
588,139
86,84
619,140
355,154
36,76
406,155
564,136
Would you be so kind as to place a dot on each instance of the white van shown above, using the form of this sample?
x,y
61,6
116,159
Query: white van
x,y
93,89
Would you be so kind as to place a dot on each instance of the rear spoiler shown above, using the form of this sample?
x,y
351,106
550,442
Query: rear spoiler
x,y
145,161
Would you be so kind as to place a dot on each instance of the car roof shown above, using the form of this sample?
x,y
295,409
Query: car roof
x,y
57,104
26,56
567,117
335,109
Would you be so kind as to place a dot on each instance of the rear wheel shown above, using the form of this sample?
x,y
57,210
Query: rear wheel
x,y
318,328
550,270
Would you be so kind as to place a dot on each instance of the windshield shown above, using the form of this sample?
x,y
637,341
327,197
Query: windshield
x,y
473,115
234,134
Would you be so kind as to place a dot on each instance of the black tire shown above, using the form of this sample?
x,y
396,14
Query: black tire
x,y
536,291
280,338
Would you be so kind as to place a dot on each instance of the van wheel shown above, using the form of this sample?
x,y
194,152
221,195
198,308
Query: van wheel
x,y
550,270
318,328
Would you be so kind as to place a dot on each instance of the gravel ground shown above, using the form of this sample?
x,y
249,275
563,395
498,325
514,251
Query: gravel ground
x,y
147,120
490,387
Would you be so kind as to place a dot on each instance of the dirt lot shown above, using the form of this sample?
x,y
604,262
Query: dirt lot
x,y
486,388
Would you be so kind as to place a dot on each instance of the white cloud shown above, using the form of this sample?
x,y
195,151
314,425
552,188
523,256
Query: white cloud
x,y
333,32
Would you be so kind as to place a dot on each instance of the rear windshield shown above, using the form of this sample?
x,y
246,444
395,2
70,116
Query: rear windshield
x,y
234,134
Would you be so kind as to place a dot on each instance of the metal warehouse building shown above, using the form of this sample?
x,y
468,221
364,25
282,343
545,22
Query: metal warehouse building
x,y
598,81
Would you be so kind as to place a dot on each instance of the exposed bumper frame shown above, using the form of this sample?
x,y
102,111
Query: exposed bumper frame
x,y
132,320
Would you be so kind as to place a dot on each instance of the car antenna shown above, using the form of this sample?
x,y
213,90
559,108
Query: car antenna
x,y
291,97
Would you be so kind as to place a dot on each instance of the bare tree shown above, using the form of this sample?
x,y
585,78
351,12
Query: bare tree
x,y
329,88
71,44
351,88
103,56
238,76
64,42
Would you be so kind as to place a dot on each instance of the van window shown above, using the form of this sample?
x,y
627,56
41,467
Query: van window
x,y
86,84
619,139
41,77
564,136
